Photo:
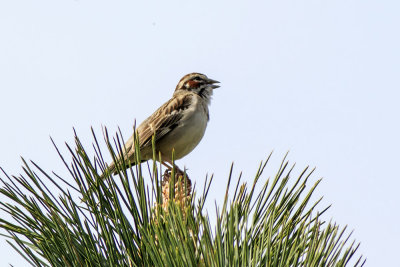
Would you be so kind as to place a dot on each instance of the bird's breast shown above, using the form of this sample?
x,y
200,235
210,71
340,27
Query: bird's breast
x,y
188,134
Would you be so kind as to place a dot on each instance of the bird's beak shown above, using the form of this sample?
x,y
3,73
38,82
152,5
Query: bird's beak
x,y
212,83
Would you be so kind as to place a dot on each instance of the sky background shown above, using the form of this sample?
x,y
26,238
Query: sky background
x,y
317,78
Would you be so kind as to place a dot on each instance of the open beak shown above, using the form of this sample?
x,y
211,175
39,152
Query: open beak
x,y
212,83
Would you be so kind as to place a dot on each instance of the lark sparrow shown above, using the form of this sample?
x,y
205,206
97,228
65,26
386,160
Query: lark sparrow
x,y
177,125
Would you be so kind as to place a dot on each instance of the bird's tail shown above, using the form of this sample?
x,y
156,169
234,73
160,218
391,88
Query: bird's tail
x,y
110,170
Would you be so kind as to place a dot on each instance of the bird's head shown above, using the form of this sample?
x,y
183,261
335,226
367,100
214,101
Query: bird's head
x,y
197,83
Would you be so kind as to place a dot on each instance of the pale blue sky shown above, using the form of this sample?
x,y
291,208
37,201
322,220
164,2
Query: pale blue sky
x,y
318,78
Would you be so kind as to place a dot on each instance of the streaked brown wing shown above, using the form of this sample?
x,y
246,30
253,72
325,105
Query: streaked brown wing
x,y
160,123
165,119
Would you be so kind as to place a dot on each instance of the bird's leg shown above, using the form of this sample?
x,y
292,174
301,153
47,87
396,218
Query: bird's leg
x,y
171,165
166,165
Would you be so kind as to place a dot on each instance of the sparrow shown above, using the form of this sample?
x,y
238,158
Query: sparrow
x,y
178,125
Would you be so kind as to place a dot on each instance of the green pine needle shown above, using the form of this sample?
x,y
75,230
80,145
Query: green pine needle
x,y
124,222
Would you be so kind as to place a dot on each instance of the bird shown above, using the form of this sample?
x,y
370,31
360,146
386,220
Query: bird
x,y
178,125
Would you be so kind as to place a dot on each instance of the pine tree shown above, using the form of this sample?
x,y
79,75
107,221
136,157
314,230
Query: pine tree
x,y
141,217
